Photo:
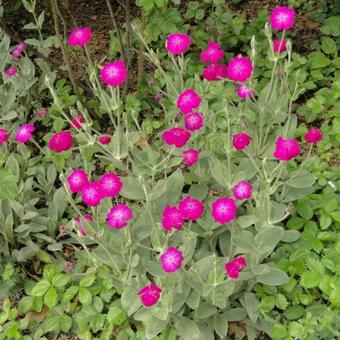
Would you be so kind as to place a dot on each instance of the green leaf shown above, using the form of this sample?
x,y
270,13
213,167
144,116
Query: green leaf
x,y
219,171
70,293
51,297
130,300
301,179
116,316
279,331
304,209
328,45
332,26
132,189
295,223
336,216
85,296
275,277
281,301
60,280
294,312
310,279
335,296
251,306
267,238
7,185
187,329
40,288
87,281
221,325
65,323
318,60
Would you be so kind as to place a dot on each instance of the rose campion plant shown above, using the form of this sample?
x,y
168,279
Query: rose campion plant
x,y
187,222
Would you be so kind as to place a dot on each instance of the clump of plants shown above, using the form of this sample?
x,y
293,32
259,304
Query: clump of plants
x,y
182,226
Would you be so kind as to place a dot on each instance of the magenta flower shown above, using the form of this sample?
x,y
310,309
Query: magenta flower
x,y
286,149
241,141
77,179
11,71
188,100
213,54
3,136
176,136
114,74
242,190
79,221
172,218
24,133
119,216
90,194
149,295
234,267
313,136
17,52
282,18
61,141
104,140
190,157
171,260
110,185
244,92
239,69
191,208
78,121
80,37
279,45
193,121
224,210
215,72
178,43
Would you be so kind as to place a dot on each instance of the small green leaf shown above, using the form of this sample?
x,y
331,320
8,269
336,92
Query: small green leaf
x,y
87,281
60,280
116,316
85,296
310,279
51,297
40,288
294,312
187,329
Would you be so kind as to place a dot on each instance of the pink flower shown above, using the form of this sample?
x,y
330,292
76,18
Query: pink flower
x,y
190,157
234,267
191,208
242,190
110,185
158,97
313,136
286,149
241,141
119,216
78,121
79,221
171,260
178,43
224,210
172,218
176,136
114,74
61,141
282,18
17,52
215,72
90,194
24,133
149,295
11,71
244,92
104,140
193,121
239,69
213,54
77,179
188,100
279,45
80,37
3,136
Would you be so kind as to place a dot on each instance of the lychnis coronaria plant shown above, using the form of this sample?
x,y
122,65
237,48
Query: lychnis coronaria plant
x,y
188,222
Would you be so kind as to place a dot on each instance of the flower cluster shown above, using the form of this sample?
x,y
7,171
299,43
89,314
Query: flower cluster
x,y
234,267
213,54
